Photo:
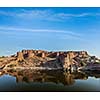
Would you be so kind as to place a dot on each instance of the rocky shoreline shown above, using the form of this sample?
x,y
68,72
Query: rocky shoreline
x,y
42,60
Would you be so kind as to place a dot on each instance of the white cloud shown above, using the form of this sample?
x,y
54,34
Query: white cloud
x,y
74,15
63,34
50,15
45,14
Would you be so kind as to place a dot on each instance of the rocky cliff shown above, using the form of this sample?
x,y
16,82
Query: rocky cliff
x,y
39,59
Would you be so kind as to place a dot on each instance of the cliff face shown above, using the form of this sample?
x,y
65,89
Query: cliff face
x,y
72,58
39,59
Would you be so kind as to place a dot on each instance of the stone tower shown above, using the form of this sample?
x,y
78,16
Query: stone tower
x,y
20,56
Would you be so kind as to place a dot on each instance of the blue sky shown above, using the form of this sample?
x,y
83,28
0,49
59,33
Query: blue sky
x,y
49,29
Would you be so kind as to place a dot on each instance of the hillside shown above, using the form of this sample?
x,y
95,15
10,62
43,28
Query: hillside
x,y
39,59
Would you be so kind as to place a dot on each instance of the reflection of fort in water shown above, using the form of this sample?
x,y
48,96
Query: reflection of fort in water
x,y
56,77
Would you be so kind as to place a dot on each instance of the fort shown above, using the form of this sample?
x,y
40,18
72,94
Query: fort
x,y
40,59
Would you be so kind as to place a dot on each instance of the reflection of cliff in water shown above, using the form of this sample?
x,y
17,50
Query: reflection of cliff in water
x,y
52,76
95,74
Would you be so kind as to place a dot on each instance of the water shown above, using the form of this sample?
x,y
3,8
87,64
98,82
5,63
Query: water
x,y
30,80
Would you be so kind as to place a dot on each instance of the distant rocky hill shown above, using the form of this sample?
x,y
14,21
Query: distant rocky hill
x,y
39,59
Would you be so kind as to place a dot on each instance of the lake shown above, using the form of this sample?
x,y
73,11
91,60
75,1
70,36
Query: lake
x,y
53,80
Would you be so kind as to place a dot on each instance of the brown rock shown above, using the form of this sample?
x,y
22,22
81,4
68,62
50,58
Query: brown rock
x,y
20,56
51,59
30,53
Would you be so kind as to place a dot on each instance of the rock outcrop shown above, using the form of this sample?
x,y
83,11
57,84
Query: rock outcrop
x,y
73,58
39,59
20,56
